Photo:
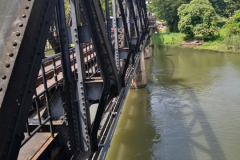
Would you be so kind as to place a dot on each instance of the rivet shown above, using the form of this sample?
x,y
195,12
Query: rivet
x,y
7,65
10,54
14,44
4,77
17,34
23,16
29,0
1,89
20,25
26,7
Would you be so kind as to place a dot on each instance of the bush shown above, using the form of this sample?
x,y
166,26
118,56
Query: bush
x,y
232,26
198,17
232,42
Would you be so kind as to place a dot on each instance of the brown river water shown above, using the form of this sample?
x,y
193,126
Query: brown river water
x,y
190,109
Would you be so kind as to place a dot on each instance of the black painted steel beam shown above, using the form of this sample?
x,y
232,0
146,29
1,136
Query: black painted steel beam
x,y
68,80
111,83
128,41
20,62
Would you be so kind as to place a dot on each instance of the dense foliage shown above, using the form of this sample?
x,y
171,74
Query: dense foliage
x,y
233,26
104,7
167,10
198,17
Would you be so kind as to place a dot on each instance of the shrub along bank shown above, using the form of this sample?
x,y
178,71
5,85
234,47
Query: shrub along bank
x,y
223,43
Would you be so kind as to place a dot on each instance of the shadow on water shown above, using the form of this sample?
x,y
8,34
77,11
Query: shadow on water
x,y
165,120
177,114
133,136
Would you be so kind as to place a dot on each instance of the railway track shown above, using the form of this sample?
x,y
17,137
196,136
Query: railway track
x,y
53,67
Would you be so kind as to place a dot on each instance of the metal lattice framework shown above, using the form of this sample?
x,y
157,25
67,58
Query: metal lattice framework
x,y
94,54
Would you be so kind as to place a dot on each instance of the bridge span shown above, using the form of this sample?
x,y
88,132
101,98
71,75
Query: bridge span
x,y
66,68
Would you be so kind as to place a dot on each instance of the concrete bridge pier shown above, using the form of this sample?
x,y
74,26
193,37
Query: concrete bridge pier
x,y
139,78
148,49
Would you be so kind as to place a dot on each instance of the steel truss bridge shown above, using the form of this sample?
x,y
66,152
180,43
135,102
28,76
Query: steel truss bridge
x,y
66,106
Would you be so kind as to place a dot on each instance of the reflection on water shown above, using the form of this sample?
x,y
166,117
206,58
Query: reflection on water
x,y
189,110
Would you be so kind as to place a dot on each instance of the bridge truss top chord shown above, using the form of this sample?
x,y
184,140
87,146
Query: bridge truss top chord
x,y
63,82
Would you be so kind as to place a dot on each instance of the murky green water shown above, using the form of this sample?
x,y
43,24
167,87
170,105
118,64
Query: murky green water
x,y
189,110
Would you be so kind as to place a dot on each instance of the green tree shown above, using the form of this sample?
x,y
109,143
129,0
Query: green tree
x,y
232,26
104,7
198,17
167,10
231,7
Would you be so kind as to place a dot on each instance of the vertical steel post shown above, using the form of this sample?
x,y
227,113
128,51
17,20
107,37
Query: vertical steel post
x,y
80,92
115,30
108,21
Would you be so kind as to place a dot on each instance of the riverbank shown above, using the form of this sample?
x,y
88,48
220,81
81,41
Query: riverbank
x,y
174,39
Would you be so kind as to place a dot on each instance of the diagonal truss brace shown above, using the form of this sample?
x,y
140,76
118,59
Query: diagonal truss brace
x,y
101,43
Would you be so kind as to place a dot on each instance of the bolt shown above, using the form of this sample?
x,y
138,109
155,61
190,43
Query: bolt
x,y
17,34
1,89
23,16
20,25
14,44
4,77
10,54
7,65
26,7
